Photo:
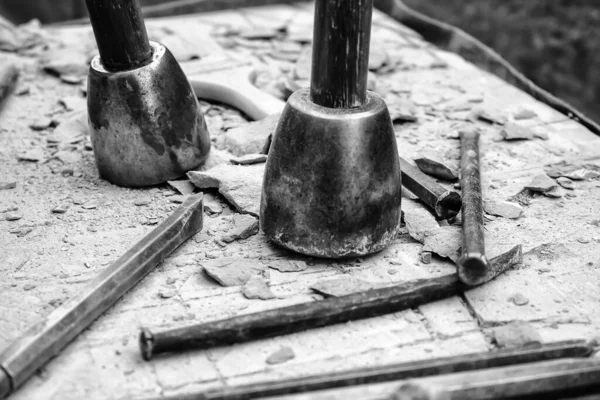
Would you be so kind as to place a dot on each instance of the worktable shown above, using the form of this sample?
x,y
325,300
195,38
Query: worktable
x,y
47,256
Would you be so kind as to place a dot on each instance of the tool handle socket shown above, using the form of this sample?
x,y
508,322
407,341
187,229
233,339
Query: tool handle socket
x,y
120,33
340,62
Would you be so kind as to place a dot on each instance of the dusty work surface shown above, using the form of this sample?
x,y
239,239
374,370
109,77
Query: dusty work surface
x,y
62,224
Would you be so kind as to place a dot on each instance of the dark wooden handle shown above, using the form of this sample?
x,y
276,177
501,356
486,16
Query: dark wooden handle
x,y
340,61
120,33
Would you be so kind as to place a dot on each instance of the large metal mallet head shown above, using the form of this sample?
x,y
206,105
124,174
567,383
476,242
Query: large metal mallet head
x,y
145,122
332,181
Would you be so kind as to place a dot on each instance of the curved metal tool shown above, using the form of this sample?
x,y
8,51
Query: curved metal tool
x,y
43,341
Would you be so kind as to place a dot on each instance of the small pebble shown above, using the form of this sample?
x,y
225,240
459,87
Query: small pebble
x,y
28,286
144,201
392,271
90,205
13,216
280,356
166,294
519,300
8,185
177,199
171,281
583,240
541,183
61,209
565,182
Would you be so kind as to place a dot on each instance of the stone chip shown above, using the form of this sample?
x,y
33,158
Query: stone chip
x,y
257,288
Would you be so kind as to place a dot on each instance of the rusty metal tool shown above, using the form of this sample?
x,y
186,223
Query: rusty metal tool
x,y
145,122
445,203
394,372
44,340
473,265
539,380
9,74
332,181
309,315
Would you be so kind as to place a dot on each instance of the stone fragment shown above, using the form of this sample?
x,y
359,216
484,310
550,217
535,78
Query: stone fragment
x,y
583,240
68,156
556,192
33,155
512,131
41,123
342,286
241,185
286,265
90,205
504,209
565,183
65,61
516,334
28,286
244,226
177,199
257,288
184,187
249,138
73,103
419,221
211,204
143,201
249,159
72,79
73,130
166,293
524,113
280,356
401,110
519,299
581,174
13,216
8,185
60,209
445,242
378,57
232,271
437,168
489,115
541,183
8,209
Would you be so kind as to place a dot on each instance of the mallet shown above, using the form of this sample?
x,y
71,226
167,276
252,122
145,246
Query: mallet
x,y
332,181
144,118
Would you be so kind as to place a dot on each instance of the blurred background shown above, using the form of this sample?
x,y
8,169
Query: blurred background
x,y
555,43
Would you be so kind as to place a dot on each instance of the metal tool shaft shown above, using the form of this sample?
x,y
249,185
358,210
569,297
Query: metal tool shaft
x,y
445,203
120,33
393,372
473,265
540,380
305,316
342,34
44,340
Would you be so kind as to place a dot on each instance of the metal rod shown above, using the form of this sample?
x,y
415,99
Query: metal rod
x,y
44,340
473,265
342,34
540,380
393,372
120,33
310,315
445,203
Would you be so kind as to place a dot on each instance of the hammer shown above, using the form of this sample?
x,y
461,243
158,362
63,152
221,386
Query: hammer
x,y
145,122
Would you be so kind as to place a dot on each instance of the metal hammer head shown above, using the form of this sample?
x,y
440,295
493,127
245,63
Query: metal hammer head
x,y
145,122
332,180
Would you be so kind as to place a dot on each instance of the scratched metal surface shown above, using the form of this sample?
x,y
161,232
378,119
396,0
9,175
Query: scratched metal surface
x,y
46,266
